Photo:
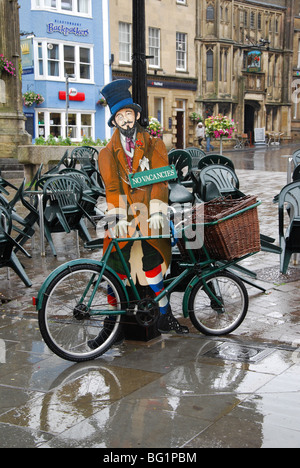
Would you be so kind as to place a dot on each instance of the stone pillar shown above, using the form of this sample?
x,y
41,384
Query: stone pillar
x,y
12,119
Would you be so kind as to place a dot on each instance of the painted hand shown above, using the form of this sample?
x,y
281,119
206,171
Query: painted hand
x,y
156,221
121,228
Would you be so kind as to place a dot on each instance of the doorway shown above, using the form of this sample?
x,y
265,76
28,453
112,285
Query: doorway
x,y
249,121
180,129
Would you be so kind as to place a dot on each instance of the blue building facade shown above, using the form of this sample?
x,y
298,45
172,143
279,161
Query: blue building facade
x,y
66,59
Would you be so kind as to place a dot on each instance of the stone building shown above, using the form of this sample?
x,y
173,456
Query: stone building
x,y
244,51
233,57
171,72
12,120
295,125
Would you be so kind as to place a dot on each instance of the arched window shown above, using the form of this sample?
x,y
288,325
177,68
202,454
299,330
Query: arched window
x,y
209,65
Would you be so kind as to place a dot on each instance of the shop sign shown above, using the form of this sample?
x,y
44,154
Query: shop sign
x,y
65,31
254,61
73,95
154,176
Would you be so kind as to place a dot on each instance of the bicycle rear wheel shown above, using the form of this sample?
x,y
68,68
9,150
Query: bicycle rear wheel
x,y
69,322
218,306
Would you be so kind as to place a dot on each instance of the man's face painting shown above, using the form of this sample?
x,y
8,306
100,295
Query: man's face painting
x,y
125,120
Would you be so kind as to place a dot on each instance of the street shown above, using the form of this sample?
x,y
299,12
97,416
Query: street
x,y
239,391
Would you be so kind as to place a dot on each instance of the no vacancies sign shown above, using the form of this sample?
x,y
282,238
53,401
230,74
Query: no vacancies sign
x,y
161,174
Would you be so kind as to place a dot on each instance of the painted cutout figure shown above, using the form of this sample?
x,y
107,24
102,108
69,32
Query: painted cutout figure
x,y
142,210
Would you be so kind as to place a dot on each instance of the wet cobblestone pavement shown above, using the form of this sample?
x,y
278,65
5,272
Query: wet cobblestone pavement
x,y
192,392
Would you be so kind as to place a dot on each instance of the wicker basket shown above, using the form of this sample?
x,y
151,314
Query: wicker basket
x,y
228,239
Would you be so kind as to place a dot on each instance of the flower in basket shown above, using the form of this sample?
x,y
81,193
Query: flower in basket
x,y
6,66
154,128
195,117
219,126
30,98
101,102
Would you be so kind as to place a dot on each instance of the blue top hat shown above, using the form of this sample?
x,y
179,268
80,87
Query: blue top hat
x,y
118,97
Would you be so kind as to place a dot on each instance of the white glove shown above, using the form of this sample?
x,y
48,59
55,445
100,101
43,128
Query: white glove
x,y
121,228
156,221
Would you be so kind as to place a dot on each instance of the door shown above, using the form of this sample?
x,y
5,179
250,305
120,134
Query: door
x,y
180,129
249,121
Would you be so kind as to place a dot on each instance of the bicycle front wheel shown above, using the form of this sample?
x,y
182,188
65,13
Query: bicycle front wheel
x,y
218,306
74,319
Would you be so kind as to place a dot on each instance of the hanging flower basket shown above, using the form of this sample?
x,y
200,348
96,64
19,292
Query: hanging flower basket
x,y
101,102
30,98
6,66
219,126
195,117
154,128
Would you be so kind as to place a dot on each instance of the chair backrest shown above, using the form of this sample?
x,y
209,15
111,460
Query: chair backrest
x,y
223,177
296,173
290,194
182,162
215,159
5,221
94,153
63,189
83,156
81,177
296,157
196,154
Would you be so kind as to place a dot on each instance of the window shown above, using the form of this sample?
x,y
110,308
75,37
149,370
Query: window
x,y
252,20
223,65
154,47
181,50
84,62
259,23
125,43
210,13
40,59
55,60
209,65
77,7
54,123
69,60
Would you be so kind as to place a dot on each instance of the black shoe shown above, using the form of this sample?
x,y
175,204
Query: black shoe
x,y
167,322
105,332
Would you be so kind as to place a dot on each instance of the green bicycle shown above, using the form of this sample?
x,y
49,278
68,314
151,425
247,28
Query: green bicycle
x,y
73,306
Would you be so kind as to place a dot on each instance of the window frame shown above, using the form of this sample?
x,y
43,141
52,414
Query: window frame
x,y
41,60
153,47
182,59
127,44
41,5
79,126
210,66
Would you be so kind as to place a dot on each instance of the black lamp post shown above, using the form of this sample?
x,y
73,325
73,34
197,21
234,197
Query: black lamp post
x,y
139,67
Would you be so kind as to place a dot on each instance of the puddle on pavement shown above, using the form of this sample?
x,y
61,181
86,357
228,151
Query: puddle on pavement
x,y
240,353
273,275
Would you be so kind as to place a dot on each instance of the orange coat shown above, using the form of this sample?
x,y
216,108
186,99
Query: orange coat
x,y
136,204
